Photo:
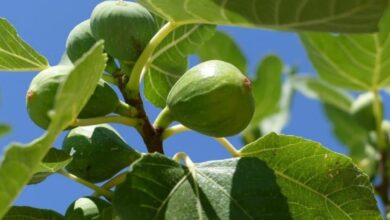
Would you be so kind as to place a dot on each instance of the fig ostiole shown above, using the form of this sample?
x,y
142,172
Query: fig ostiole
x,y
126,27
43,88
213,98
98,152
86,208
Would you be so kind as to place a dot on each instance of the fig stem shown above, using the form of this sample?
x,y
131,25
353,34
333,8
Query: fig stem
x,y
92,186
228,146
174,130
109,79
223,141
181,156
126,110
107,119
112,183
163,120
133,85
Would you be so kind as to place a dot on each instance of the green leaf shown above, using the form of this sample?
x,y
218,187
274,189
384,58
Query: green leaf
x,y
159,188
80,84
278,121
267,88
223,47
320,90
20,162
358,62
29,213
16,54
355,137
315,181
53,161
4,129
362,110
311,15
169,61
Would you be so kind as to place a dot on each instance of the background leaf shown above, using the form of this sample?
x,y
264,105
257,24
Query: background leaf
x,y
16,54
358,62
4,129
278,120
326,93
223,47
20,162
54,161
315,181
267,88
169,61
29,213
312,15
159,188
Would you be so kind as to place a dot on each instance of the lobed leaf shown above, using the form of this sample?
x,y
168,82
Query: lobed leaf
x,y
169,61
315,181
28,213
358,62
223,47
159,188
15,53
307,15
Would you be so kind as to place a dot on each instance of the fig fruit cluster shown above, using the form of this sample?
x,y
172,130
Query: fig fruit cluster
x,y
125,27
98,152
213,98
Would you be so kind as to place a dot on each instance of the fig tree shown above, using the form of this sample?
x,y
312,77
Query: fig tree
x,y
125,27
43,88
98,152
86,208
80,40
213,98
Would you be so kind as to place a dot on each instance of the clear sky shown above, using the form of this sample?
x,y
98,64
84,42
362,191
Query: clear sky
x,y
45,25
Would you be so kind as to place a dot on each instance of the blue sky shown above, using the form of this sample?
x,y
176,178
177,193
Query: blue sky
x,y
45,25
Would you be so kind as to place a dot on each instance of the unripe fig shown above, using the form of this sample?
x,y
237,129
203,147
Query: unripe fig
x,y
98,152
86,208
125,27
80,40
213,98
43,88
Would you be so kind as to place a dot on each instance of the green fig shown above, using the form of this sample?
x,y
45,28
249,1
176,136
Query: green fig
x,y
43,88
86,208
125,27
98,152
213,98
80,40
